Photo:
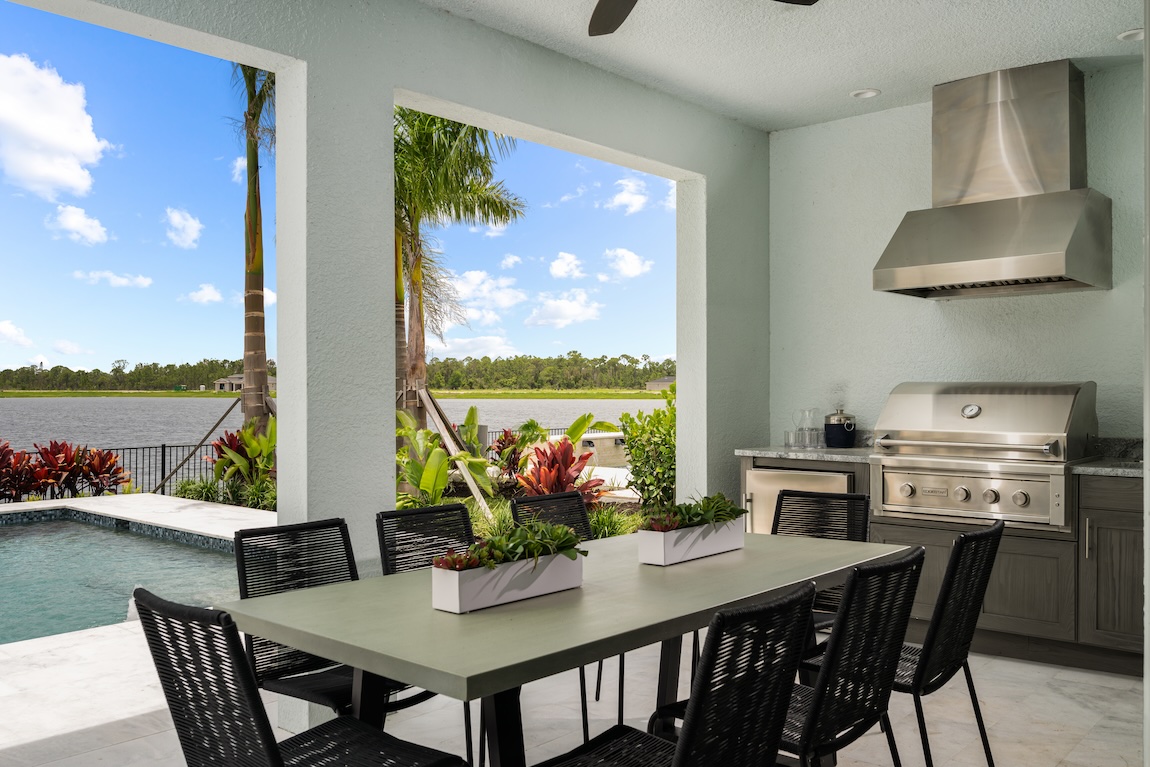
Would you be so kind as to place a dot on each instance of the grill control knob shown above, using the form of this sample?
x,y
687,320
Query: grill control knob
x,y
1021,498
990,496
962,493
907,490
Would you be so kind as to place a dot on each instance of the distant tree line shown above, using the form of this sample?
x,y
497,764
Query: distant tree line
x,y
145,376
573,371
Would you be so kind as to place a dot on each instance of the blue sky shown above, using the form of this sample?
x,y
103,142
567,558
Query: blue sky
x,y
121,213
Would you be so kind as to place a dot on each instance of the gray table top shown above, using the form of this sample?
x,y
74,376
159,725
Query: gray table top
x,y
387,626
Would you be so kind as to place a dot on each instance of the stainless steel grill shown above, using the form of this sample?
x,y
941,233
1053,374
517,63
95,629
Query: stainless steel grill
x,y
981,450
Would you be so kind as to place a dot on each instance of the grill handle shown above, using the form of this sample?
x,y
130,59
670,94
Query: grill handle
x,y
1050,448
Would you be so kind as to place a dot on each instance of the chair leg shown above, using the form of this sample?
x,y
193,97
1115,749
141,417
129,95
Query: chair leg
x,y
922,730
467,732
482,736
598,681
694,654
885,722
621,672
977,713
583,704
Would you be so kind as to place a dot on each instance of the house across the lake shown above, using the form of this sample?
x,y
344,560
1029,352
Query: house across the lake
x,y
660,384
235,382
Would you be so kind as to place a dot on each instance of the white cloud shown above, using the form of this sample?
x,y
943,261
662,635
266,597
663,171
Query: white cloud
x,y
207,294
40,361
114,280
70,347
239,169
482,316
602,277
495,230
475,347
480,290
566,266
668,202
13,335
510,261
627,264
270,297
632,195
579,191
567,309
79,225
46,135
183,228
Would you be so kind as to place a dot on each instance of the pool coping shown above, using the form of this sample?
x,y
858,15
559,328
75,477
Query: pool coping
x,y
197,523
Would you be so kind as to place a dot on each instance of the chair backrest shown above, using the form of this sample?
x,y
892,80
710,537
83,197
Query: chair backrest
x,y
210,689
557,509
743,683
838,516
271,560
959,603
410,538
854,683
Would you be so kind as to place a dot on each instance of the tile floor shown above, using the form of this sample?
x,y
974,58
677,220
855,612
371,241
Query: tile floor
x,y
92,698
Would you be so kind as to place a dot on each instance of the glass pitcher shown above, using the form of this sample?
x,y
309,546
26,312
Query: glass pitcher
x,y
808,426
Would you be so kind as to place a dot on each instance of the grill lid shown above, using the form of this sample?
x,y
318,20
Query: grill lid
x,y
1008,421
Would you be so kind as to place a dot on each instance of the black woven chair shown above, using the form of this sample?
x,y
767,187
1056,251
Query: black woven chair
x,y
738,698
408,540
216,707
568,509
923,670
834,516
271,560
856,672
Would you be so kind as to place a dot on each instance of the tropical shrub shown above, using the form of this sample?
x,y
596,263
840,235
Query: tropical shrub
x,y
530,540
425,466
607,521
202,489
712,509
249,454
553,468
650,446
58,470
499,523
508,450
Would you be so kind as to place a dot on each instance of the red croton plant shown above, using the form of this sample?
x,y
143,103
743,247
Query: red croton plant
x,y
58,469
555,469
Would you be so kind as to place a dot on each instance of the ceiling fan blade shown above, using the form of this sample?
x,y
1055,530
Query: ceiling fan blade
x,y
608,16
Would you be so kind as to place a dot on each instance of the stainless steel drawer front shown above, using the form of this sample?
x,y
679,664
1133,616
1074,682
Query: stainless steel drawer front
x,y
1038,499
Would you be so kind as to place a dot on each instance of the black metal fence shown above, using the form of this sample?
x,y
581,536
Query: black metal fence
x,y
149,466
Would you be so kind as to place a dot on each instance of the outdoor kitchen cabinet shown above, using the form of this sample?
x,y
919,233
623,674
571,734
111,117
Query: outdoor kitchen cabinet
x,y
1032,588
1110,562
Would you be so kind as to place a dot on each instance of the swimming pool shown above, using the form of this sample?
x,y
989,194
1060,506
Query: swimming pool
x,y
63,575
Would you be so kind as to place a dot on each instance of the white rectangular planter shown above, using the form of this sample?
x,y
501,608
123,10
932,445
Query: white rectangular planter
x,y
686,543
462,591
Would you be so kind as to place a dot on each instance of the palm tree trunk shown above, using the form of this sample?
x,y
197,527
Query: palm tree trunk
x,y
255,391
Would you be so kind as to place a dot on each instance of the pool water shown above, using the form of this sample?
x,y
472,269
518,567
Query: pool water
x,y
60,576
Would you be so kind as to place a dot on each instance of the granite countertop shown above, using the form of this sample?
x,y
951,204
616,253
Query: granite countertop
x,y
1104,467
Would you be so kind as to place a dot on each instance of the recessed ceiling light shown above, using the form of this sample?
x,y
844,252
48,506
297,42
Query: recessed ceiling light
x,y
1132,35
866,93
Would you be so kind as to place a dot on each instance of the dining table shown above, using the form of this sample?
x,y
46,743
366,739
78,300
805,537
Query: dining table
x,y
385,627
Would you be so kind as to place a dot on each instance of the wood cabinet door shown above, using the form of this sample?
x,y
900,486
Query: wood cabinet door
x,y
1110,567
1032,588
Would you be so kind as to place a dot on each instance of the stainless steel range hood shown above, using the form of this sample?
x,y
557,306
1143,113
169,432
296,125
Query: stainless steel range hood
x,y
1011,213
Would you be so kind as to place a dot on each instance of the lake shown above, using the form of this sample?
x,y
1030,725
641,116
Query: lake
x,y
118,422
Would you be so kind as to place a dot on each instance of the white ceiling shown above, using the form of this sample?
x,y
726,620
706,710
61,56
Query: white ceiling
x,y
774,66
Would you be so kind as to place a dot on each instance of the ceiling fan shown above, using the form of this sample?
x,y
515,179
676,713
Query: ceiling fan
x,y
609,15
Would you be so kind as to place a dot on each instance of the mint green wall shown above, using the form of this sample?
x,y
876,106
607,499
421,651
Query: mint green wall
x,y
839,190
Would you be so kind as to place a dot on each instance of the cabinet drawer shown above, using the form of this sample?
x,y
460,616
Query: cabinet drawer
x,y
1118,493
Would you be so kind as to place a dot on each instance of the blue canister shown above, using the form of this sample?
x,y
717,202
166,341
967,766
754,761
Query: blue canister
x,y
840,429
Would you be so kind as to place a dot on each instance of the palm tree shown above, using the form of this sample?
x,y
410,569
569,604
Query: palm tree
x,y
444,172
258,129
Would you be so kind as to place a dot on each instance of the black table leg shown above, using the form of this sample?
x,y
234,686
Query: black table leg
x,y
670,655
369,695
503,721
